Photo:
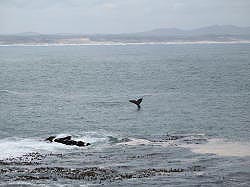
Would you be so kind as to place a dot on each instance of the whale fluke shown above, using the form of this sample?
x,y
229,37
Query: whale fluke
x,y
137,102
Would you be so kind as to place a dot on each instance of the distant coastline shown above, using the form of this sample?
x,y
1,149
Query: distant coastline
x,y
122,43
217,34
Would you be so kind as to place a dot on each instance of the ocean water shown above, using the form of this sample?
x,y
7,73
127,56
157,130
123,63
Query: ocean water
x,y
193,128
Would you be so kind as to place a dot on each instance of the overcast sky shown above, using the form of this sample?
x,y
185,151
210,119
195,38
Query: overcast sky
x,y
118,16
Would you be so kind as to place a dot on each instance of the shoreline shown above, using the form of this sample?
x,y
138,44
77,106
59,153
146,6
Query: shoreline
x,y
122,43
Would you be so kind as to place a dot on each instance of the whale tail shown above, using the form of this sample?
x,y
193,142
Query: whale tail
x,y
137,102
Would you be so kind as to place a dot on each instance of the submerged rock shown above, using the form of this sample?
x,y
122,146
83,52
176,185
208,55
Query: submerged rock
x,y
67,141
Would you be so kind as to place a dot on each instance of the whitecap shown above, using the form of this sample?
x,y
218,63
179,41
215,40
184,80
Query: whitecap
x,y
16,147
136,141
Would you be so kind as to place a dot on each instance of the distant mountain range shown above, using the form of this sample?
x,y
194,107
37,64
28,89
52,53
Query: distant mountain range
x,y
211,30
215,33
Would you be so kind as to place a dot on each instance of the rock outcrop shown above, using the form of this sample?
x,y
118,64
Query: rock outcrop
x,y
67,141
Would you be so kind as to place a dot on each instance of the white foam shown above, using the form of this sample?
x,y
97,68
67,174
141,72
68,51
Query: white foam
x,y
62,135
14,92
93,137
221,147
8,91
137,141
124,43
16,147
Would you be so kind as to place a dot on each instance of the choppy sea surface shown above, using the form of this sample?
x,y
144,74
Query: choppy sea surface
x,y
193,128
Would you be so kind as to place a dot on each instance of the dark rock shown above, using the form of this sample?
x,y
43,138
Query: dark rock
x,y
51,138
67,141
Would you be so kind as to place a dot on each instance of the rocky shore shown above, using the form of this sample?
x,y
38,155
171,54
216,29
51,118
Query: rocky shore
x,y
31,167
